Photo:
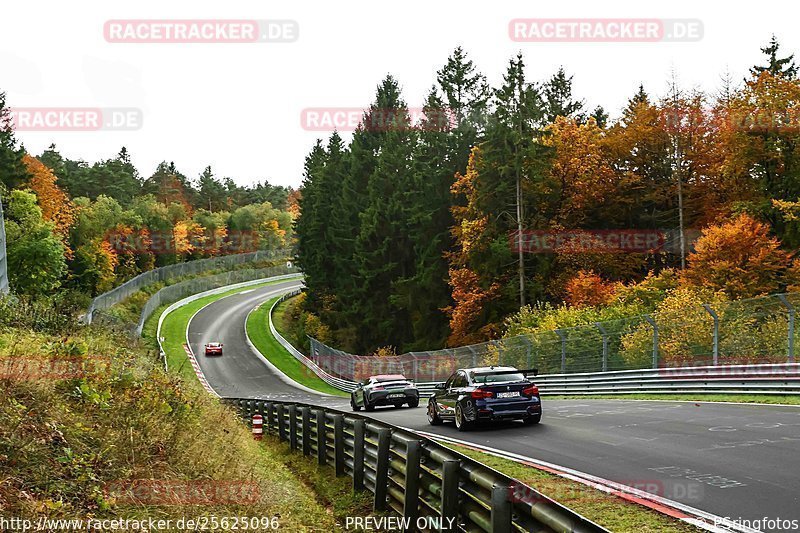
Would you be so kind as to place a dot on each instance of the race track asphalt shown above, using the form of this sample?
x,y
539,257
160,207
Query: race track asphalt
x,y
737,461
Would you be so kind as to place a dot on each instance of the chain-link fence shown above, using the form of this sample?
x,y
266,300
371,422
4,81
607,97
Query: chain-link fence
x,y
178,291
165,273
757,330
3,261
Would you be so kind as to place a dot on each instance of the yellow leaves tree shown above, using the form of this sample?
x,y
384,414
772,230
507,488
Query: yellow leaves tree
x,y
740,258
581,166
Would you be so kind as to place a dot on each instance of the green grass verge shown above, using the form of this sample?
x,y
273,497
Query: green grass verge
x,y
173,329
280,319
738,398
260,336
612,512
71,445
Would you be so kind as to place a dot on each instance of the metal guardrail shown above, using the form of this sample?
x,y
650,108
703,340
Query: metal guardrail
x,y
723,333
339,383
429,485
766,379
127,289
4,289
762,379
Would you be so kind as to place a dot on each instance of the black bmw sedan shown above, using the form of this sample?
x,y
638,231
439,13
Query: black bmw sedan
x,y
473,395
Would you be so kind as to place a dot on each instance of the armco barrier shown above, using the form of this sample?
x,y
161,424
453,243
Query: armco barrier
x,y
4,289
765,379
124,291
762,379
341,384
431,487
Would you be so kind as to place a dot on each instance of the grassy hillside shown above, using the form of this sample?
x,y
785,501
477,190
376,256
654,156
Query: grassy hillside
x,y
87,415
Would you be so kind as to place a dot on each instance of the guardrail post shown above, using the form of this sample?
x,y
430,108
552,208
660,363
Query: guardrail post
x,y
281,423
292,427
358,454
269,420
501,510
655,339
306,430
411,504
604,333
338,445
716,331
790,308
322,447
382,470
450,486
563,337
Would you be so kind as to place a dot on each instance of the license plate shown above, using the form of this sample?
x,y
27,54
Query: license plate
x,y
397,396
507,394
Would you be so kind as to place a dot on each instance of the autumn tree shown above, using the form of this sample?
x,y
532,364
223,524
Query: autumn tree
x,y
739,257
588,289
55,204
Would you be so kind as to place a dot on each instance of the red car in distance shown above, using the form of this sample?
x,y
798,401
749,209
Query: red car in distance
x,y
214,348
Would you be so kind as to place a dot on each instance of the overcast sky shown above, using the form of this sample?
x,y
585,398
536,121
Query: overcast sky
x,y
237,106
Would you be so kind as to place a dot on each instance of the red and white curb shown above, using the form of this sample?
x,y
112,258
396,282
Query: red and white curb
x,y
680,511
197,370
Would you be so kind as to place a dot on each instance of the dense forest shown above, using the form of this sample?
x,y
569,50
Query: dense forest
x,y
86,228
407,233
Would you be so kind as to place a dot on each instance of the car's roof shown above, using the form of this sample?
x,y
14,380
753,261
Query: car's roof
x,y
388,377
214,344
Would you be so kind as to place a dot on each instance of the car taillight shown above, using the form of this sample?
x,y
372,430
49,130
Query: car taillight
x,y
377,388
533,390
480,393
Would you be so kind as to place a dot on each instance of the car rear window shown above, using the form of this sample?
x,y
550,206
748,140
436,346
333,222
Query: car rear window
x,y
499,378
390,378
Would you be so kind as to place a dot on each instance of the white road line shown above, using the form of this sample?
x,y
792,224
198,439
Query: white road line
x,y
699,518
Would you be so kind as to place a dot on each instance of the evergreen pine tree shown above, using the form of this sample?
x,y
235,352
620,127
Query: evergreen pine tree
x,y
776,66
558,97
12,169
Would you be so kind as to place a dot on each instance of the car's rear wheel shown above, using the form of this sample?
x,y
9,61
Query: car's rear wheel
x,y
354,405
367,405
462,424
433,416
414,403
532,420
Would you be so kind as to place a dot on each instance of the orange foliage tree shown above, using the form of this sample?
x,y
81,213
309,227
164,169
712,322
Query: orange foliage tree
x,y
54,202
581,167
587,289
738,257
470,294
